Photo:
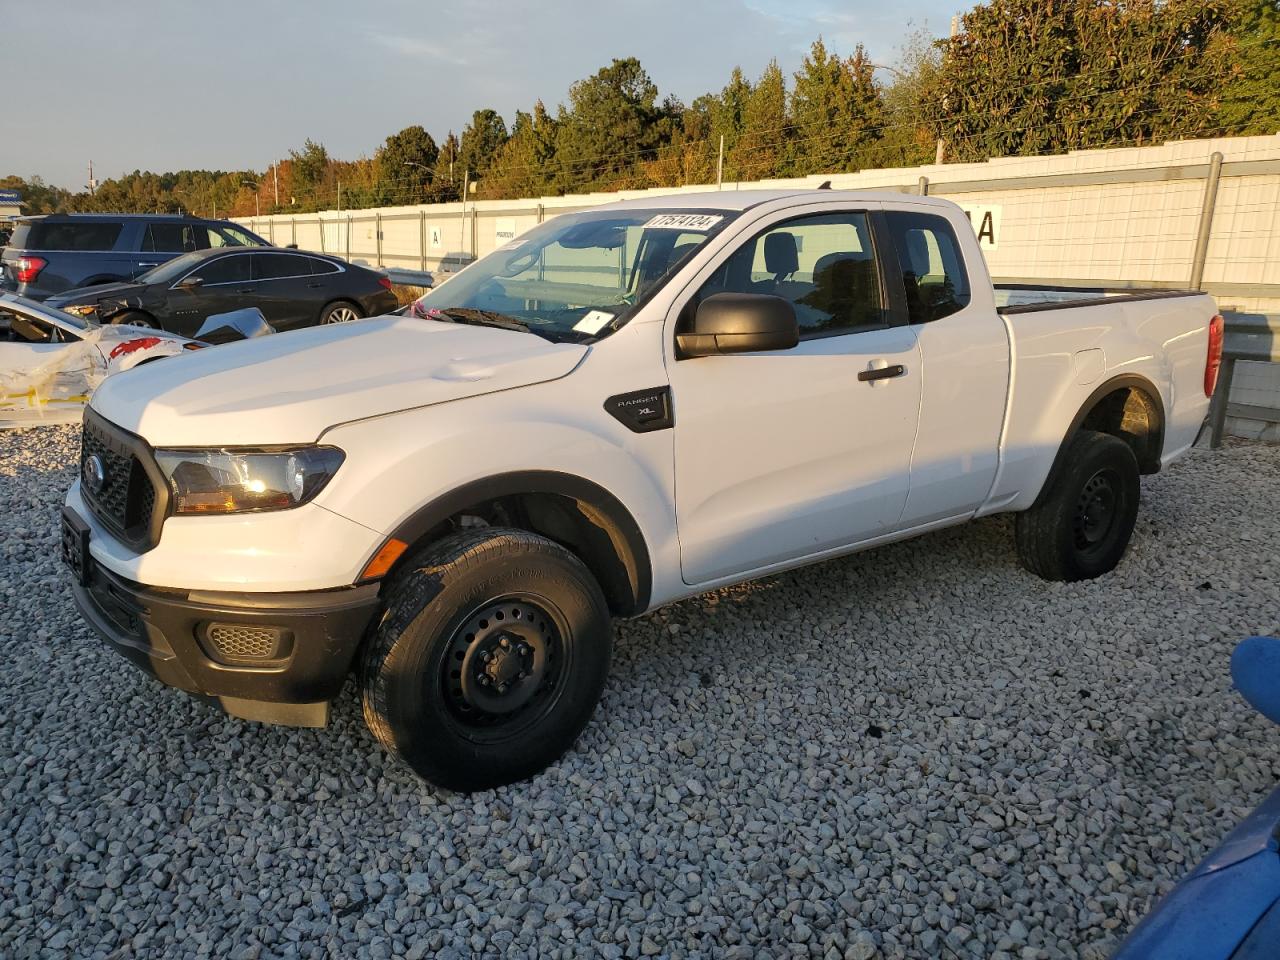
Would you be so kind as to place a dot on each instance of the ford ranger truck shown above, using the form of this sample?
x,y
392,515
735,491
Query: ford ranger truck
x,y
618,409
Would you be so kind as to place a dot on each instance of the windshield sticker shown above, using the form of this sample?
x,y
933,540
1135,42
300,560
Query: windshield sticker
x,y
683,221
593,322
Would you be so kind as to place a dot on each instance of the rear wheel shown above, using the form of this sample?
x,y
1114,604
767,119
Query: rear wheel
x,y
489,660
134,318
340,311
1081,527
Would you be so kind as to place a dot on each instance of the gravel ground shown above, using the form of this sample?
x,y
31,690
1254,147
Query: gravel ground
x,y
921,751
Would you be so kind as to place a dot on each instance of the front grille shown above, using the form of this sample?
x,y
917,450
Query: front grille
x,y
127,500
237,642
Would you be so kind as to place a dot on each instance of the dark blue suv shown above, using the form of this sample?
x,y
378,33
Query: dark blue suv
x,y
57,252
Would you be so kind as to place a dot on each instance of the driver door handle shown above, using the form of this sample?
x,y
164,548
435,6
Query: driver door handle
x,y
882,373
245,290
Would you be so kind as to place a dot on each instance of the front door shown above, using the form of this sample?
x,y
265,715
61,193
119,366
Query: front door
x,y
787,454
226,284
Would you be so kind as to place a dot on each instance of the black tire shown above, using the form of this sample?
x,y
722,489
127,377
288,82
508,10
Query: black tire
x,y
1080,527
441,689
340,311
134,318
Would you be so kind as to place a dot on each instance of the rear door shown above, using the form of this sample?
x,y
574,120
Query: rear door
x,y
162,242
786,454
286,292
965,348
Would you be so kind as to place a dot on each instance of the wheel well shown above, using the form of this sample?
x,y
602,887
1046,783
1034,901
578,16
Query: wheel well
x,y
336,300
1134,416
576,514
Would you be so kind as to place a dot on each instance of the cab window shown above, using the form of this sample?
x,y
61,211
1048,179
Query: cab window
x,y
224,270
824,264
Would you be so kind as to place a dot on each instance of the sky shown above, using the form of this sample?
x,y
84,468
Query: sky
x,y
232,85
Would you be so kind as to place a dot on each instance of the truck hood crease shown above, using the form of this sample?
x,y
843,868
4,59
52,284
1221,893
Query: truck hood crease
x,y
290,388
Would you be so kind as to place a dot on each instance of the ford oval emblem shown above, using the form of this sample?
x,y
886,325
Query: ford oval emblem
x,y
95,474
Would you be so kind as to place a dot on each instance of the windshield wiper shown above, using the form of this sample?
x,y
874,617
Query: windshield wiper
x,y
482,318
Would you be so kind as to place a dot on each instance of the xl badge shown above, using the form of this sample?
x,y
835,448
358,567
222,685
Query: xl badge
x,y
94,473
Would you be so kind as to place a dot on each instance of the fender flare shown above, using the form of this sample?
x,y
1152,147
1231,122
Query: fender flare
x,y
1121,382
598,506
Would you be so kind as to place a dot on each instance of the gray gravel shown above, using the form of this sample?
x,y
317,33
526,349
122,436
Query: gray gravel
x,y
921,751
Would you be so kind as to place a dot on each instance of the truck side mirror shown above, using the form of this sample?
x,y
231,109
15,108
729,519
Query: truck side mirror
x,y
740,323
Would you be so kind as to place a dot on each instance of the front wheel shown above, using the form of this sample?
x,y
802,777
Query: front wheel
x,y
340,312
489,660
1080,527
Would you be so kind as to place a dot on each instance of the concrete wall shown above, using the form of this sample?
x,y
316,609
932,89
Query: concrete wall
x,y
1122,215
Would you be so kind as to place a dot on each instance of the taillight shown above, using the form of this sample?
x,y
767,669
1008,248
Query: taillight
x,y
1213,362
29,268
385,281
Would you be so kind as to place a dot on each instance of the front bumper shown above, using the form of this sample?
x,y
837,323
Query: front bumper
x,y
167,633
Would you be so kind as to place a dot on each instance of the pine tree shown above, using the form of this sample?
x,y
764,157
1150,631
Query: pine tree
x,y
760,150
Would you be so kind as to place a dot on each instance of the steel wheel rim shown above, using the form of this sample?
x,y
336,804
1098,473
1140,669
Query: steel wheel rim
x,y
342,315
494,690
1097,510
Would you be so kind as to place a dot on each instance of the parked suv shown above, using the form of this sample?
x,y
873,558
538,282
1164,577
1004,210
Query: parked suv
x,y
57,252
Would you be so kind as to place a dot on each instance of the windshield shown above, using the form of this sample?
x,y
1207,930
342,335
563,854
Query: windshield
x,y
577,277
171,270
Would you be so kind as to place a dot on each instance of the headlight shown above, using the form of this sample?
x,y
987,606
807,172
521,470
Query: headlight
x,y
240,481
82,310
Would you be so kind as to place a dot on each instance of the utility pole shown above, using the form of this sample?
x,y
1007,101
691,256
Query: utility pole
x,y
940,155
720,166
462,233
339,180
93,184
275,176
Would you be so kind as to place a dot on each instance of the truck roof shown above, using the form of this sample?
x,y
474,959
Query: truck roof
x,y
746,199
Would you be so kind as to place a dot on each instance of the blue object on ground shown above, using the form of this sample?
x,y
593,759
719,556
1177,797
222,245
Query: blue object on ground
x,y
1255,670
1228,908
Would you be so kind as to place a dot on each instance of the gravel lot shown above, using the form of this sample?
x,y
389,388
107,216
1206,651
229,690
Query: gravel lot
x,y
921,751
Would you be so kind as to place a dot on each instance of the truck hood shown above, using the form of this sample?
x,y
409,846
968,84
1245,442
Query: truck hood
x,y
291,387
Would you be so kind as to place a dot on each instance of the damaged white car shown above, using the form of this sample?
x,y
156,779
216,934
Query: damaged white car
x,y
51,361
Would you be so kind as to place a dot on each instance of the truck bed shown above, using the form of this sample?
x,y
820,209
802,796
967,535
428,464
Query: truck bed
x,y
1013,298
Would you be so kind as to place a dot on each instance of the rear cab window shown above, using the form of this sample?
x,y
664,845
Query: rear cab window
x,y
933,272
67,236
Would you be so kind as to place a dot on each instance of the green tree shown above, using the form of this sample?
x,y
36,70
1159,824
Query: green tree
x,y
446,183
37,196
405,165
1251,98
482,138
613,120
1048,76
524,166
311,176
761,147
836,111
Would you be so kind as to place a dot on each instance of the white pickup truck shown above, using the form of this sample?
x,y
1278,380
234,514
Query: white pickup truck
x,y
618,409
